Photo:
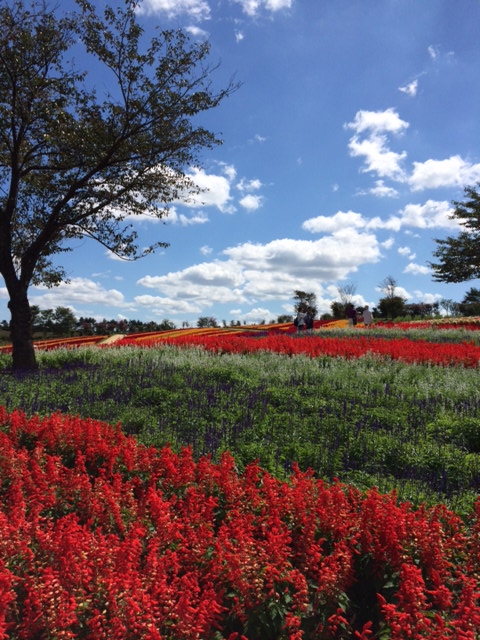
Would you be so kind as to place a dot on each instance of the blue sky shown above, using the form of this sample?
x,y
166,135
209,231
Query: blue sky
x,y
356,125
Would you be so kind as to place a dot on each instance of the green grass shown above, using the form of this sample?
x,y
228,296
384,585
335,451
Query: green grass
x,y
368,421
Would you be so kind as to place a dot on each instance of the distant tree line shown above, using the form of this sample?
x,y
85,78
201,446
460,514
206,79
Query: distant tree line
x,y
392,305
61,322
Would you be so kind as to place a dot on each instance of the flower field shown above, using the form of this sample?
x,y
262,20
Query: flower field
x,y
104,538
258,485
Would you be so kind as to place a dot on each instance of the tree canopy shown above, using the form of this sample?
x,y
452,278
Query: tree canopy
x,y
459,257
305,300
74,163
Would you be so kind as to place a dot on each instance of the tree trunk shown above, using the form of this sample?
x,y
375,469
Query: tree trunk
x,y
21,328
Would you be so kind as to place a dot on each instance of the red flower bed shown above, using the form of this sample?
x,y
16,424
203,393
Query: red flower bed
x,y
463,354
57,343
103,538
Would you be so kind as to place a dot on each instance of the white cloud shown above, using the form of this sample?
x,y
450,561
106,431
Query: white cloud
x,y
428,298
416,269
79,291
451,172
199,217
410,89
406,251
215,191
254,273
254,316
371,143
195,9
201,285
196,32
167,307
431,214
377,122
251,202
249,185
339,220
206,250
433,52
253,7
228,170
326,259
382,191
378,158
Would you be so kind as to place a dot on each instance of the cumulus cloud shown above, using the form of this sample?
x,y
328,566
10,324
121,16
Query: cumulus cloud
x,y
407,252
428,298
349,219
416,269
431,214
382,191
451,172
196,32
329,224
255,272
253,7
249,185
253,316
377,122
215,191
79,292
200,285
184,220
195,9
228,170
370,142
162,306
326,259
251,202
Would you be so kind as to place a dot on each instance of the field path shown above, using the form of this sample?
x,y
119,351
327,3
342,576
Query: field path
x,y
111,339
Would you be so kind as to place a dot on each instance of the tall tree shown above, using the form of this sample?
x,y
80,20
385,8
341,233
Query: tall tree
x,y
470,305
346,293
459,258
305,300
388,285
392,305
77,164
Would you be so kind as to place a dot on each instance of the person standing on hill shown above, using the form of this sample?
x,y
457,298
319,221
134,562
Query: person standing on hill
x,y
309,321
367,316
301,315
351,315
